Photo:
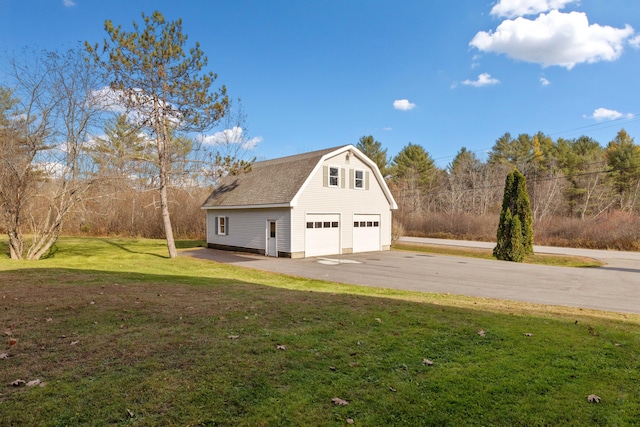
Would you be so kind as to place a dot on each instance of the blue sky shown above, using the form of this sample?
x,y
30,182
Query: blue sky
x,y
320,73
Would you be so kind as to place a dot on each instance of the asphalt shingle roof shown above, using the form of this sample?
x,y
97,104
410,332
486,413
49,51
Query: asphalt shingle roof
x,y
270,182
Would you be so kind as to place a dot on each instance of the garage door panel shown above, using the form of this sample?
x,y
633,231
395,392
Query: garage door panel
x,y
366,233
322,234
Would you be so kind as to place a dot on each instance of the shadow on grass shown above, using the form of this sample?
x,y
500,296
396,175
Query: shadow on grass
x,y
227,331
190,244
180,244
126,249
4,249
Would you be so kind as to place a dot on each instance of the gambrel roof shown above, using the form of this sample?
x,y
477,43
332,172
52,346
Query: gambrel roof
x,y
277,182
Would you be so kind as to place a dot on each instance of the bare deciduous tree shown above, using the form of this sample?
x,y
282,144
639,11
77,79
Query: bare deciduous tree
x,y
45,171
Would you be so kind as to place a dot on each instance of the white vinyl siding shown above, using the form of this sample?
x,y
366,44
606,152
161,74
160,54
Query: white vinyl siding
x,y
318,197
248,228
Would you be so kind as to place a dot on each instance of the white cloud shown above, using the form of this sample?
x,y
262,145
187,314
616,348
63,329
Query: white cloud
x,y
51,169
514,8
483,79
234,135
250,144
563,39
635,41
602,114
109,99
403,104
387,129
544,82
68,3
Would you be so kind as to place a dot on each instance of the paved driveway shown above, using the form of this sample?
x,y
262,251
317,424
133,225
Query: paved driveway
x,y
615,287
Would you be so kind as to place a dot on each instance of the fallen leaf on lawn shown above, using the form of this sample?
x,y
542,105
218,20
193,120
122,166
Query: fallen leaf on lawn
x,y
130,412
74,342
528,334
427,362
617,344
49,319
4,356
379,320
482,333
392,389
7,332
350,421
333,368
592,398
12,342
34,383
18,383
340,402
234,337
281,347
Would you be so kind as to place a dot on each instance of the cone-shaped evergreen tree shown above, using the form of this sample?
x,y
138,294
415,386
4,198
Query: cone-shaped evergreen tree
x,y
515,230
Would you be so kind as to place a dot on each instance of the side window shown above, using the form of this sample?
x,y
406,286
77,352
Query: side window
x,y
334,176
222,225
358,179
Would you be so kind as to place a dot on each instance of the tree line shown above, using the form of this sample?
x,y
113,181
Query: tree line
x,y
566,178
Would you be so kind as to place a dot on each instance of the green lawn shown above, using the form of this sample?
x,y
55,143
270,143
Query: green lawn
x,y
122,335
541,259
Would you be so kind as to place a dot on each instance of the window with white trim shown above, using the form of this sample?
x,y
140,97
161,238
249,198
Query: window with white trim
x,y
222,225
334,176
358,179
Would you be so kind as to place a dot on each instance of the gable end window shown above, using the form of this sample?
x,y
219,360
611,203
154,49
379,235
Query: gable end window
x,y
222,225
359,179
334,176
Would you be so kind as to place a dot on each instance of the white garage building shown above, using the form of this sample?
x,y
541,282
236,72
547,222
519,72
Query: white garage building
x,y
326,202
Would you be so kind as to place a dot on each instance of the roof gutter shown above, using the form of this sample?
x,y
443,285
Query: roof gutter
x,y
278,205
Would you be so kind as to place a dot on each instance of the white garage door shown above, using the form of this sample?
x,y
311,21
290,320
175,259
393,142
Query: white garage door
x,y
322,236
366,233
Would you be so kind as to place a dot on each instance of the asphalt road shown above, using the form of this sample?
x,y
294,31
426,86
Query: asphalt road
x,y
614,287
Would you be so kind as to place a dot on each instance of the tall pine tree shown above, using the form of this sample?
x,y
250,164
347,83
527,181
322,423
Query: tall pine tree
x,y
515,230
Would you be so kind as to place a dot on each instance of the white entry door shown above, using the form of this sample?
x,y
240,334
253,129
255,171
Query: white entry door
x,y
322,236
272,246
366,233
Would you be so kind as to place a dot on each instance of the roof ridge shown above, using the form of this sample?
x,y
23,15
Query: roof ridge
x,y
301,156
